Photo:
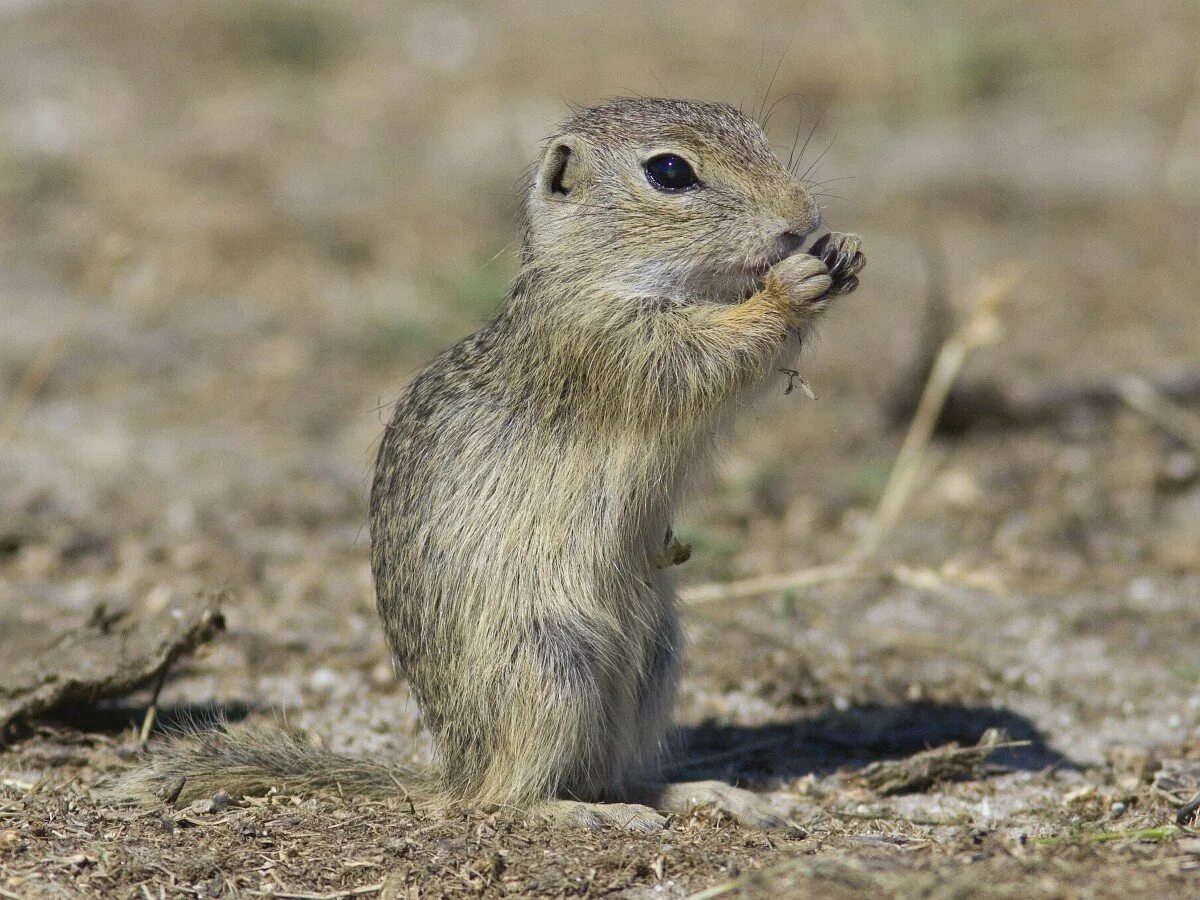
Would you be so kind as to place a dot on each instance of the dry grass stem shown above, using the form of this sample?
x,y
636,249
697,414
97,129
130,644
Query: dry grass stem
x,y
767,584
152,709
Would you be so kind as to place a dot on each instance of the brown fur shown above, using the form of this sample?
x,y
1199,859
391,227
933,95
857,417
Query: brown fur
x,y
528,476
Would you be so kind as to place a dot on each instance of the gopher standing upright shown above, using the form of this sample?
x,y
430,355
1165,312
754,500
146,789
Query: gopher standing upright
x,y
522,501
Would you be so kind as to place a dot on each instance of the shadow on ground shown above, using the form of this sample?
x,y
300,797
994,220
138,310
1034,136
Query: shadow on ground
x,y
853,738
116,717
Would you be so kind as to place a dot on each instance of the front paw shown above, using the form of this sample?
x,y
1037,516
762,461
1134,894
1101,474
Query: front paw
x,y
674,552
843,257
802,281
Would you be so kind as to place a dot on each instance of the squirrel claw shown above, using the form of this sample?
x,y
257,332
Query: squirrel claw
x,y
842,256
819,245
844,286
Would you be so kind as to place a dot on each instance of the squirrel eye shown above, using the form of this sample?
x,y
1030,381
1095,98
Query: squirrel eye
x,y
669,172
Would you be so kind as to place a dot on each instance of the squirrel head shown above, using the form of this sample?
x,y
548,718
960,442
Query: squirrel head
x,y
664,198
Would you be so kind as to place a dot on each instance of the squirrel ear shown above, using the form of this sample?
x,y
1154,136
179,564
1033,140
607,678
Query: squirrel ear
x,y
562,168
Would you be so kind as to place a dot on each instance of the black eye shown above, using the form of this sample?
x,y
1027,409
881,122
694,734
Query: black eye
x,y
669,172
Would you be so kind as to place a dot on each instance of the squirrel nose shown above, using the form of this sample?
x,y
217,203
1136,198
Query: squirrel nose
x,y
790,242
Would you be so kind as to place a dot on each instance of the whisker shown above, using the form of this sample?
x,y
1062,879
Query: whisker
x,y
837,197
771,111
813,130
817,161
774,75
830,180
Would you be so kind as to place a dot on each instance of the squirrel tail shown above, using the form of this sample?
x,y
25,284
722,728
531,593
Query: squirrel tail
x,y
251,759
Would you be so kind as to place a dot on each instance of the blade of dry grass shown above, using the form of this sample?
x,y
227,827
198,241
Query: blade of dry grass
x,y
768,584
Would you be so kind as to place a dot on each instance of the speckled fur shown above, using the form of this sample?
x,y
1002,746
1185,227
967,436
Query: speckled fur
x,y
528,476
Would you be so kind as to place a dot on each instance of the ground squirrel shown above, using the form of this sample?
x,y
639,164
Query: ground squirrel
x,y
523,493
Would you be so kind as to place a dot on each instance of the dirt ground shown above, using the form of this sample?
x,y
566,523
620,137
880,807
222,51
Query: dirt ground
x,y
231,231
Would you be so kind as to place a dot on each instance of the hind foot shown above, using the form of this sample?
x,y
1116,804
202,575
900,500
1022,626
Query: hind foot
x,y
594,816
744,807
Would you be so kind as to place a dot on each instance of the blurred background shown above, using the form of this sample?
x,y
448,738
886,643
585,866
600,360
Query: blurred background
x,y
231,231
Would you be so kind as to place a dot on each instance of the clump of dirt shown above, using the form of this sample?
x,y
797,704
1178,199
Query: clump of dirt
x,y
113,652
